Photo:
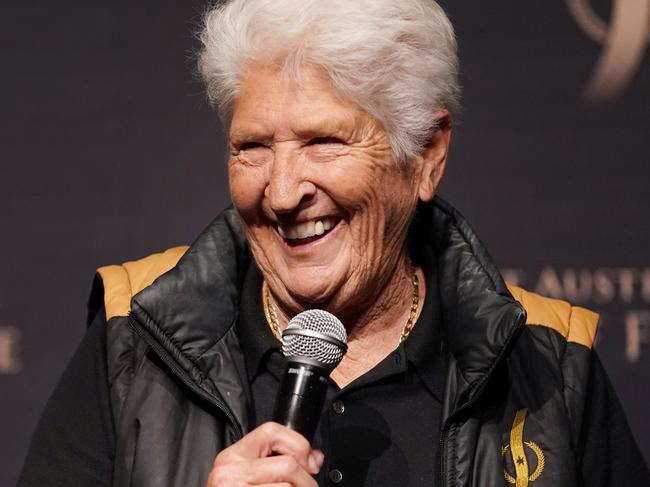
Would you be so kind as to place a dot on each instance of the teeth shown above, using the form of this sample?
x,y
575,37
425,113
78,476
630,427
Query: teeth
x,y
307,229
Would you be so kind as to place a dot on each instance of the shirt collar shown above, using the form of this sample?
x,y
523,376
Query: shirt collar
x,y
424,345
257,339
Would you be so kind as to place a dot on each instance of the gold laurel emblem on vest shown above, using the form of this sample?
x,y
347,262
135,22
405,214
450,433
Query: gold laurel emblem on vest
x,y
516,447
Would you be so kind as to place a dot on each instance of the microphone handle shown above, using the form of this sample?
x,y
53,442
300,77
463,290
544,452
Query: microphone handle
x,y
301,397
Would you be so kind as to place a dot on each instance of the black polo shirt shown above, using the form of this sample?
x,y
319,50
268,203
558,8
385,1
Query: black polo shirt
x,y
381,429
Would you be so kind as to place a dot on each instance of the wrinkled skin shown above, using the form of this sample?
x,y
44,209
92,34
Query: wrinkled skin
x,y
301,152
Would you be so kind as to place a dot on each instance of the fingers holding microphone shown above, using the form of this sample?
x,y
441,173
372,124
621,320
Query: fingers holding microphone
x,y
279,453
271,454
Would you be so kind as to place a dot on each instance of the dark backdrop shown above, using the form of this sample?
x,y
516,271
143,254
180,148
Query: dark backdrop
x,y
109,152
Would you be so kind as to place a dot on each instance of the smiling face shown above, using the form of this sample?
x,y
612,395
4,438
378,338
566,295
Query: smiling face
x,y
325,208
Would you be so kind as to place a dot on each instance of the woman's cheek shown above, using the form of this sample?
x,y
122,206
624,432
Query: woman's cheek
x,y
246,189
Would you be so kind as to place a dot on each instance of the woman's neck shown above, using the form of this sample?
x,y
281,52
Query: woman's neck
x,y
376,331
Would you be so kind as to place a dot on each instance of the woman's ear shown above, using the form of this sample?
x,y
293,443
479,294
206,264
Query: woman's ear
x,y
434,157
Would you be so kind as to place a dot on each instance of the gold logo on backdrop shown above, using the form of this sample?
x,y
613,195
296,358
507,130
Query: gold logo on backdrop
x,y
624,42
522,473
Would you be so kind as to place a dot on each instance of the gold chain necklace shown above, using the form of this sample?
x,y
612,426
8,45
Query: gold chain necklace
x,y
272,315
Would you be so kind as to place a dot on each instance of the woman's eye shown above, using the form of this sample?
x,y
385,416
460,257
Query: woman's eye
x,y
250,145
254,153
325,140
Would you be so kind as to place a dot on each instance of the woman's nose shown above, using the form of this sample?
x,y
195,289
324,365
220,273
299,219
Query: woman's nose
x,y
288,184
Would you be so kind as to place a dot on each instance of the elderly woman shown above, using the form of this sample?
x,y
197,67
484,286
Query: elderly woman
x,y
339,118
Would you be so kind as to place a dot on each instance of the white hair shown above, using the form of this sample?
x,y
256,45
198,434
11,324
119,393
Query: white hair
x,y
397,59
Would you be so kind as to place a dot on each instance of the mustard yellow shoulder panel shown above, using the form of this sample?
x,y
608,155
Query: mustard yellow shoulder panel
x,y
576,324
122,282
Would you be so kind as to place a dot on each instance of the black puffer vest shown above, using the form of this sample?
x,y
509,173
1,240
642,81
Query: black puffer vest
x,y
514,396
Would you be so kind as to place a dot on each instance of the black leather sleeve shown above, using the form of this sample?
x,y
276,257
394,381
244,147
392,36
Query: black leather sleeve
x,y
610,455
74,441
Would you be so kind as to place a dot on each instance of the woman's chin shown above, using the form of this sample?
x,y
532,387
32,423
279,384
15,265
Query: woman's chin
x,y
310,298
311,293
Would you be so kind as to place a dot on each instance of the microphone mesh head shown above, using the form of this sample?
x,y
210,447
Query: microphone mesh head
x,y
311,346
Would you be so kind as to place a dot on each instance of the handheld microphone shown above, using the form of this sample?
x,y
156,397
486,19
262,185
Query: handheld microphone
x,y
314,343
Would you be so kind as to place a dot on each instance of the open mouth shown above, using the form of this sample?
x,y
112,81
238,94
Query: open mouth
x,y
307,232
